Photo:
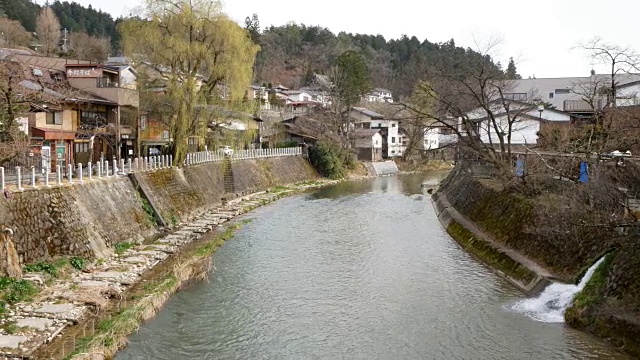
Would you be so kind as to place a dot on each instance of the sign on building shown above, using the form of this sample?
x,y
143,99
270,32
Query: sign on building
x,y
84,72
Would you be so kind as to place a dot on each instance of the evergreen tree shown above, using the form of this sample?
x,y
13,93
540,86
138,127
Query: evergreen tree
x,y
511,73
252,24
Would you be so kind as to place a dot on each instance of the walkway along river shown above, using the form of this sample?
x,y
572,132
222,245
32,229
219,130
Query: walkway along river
x,y
360,270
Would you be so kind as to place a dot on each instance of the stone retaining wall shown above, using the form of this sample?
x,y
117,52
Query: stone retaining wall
x,y
509,230
519,271
179,194
87,219
82,219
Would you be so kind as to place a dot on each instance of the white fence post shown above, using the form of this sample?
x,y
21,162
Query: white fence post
x,y
170,160
136,163
99,169
19,175
33,177
122,170
70,173
80,179
90,170
2,183
59,174
47,172
130,165
115,167
106,168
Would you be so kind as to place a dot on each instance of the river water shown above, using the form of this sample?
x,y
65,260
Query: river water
x,y
360,270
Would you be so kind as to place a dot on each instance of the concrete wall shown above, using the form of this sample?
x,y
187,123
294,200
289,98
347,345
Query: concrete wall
x,y
179,194
257,175
176,193
79,220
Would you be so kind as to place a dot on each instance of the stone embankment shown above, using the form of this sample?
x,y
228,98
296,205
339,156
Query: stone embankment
x,y
64,302
513,266
555,230
113,230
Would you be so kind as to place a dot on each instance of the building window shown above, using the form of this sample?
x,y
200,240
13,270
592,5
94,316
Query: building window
x,y
54,118
393,125
562,91
165,134
393,139
143,122
516,96
95,119
82,147
551,95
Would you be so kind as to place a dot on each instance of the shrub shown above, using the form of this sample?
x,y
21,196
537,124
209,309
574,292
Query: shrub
x,y
330,160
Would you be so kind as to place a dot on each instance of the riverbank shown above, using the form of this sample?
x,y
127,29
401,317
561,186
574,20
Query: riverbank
x,y
93,310
75,300
532,240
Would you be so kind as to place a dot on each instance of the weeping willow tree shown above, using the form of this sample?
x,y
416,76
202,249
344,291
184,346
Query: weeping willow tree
x,y
202,57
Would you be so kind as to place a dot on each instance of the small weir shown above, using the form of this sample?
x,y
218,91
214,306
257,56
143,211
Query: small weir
x,y
551,304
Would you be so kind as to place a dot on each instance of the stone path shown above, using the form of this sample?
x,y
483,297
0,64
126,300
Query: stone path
x,y
65,301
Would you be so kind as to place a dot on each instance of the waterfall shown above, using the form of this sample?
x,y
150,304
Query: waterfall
x,y
551,304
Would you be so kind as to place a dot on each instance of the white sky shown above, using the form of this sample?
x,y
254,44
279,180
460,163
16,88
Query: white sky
x,y
540,35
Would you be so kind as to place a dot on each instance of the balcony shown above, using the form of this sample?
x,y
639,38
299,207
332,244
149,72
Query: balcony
x,y
582,106
120,96
447,139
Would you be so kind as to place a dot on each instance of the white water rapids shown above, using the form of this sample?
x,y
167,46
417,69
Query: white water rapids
x,y
551,304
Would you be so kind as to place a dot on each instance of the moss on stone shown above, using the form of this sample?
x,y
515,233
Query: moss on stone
x,y
489,254
591,295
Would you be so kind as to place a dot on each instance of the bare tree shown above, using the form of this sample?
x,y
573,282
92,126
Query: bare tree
x,y
19,92
473,100
48,31
619,60
13,34
87,47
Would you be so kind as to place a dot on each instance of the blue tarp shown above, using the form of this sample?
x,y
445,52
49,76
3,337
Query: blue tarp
x,y
584,172
519,167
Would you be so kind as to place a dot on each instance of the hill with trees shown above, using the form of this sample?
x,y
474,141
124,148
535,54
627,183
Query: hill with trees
x,y
291,53
72,16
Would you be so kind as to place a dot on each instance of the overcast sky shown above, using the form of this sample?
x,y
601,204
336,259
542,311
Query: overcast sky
x,y
541,35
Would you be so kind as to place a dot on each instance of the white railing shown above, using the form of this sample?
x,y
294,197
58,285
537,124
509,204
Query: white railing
x,y
213,156
80,172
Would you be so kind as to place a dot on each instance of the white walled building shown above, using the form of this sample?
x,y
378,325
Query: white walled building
x,y
437,137
366,119
527,121
379,95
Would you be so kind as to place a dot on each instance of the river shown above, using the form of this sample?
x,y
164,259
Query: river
x,y
361,270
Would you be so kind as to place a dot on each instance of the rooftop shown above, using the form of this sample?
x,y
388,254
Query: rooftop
x,y
369,113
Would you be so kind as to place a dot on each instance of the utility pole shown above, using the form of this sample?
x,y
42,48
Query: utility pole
x,y
118,150
65,40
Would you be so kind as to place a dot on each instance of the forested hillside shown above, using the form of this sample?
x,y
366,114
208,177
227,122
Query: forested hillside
x,y
291,53
73,17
